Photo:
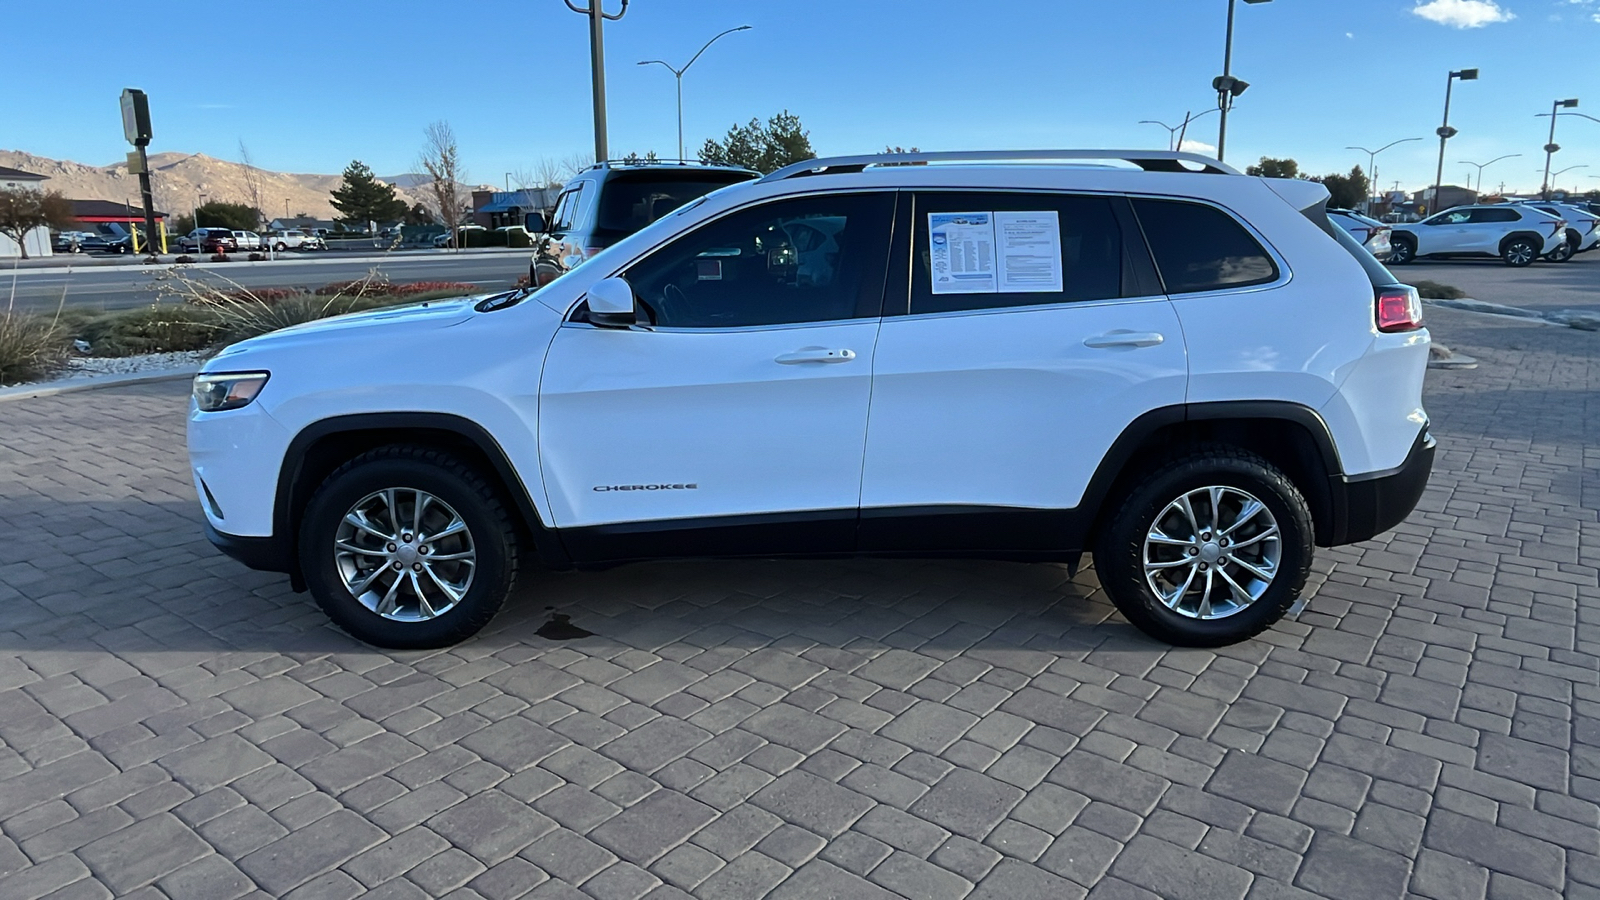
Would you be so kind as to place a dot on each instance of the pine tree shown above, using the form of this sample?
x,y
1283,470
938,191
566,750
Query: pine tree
x,y
362,198
764,148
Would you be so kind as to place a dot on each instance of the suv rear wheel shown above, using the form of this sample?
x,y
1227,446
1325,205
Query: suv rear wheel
x,y
1211,548
408,547
1519,251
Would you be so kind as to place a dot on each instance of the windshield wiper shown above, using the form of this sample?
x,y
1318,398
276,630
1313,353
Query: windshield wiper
x,y
503,301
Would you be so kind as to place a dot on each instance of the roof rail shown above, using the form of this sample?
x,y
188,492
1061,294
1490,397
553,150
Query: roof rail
x,y
643,161
1149,160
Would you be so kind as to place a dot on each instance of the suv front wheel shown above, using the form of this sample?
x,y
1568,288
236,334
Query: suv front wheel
x,y
1211,548
1401,251
408,547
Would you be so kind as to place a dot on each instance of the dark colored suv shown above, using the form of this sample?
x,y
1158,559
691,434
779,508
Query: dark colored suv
x,y
609,201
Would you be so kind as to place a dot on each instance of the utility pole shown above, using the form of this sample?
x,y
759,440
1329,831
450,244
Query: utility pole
x,y
1228,88
597,61
678,74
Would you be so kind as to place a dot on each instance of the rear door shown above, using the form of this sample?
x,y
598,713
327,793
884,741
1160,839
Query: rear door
x,y
1030,336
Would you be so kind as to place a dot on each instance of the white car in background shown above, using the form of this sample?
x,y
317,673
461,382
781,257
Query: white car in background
x,y
248,240
1517,234
1367,231
1583,226
294,239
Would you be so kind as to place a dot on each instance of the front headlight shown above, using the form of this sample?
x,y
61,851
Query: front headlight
x,y
221,391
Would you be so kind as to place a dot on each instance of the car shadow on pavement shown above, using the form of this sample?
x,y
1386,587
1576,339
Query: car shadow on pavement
x,y
133,576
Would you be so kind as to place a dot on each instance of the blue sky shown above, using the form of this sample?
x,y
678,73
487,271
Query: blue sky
x,y
311,89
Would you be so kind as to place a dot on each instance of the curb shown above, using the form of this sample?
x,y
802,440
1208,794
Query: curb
x,y
1582,320
93,382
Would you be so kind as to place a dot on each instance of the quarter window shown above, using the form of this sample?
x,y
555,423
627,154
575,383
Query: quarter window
x,y
1013,249
1202,248
811,259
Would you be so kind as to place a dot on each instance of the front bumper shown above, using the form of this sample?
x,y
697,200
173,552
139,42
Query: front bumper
x,y
1365,506
265,554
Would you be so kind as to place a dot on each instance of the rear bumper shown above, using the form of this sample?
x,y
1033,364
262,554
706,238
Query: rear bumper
x,y
1365,506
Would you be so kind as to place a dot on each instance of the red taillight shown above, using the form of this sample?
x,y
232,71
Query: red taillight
x,y
1399,308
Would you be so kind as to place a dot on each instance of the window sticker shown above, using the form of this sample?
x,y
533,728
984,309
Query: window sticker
x,y
995,252
708,269
963,252
1030,251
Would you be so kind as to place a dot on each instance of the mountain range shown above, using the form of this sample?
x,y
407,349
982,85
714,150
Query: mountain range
x,y
180,180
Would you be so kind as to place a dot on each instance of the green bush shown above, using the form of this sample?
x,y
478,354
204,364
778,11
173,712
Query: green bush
x,y
31,347
482,237
1433,290
159,328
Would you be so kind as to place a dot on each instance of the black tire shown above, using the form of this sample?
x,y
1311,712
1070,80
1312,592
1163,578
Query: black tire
x,y
1563,253
280,246
1401,251
1119,554
467,492
1519,251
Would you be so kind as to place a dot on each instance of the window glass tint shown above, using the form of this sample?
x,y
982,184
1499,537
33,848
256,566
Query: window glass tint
x,y
1090,242
566,209
629,202
1458,217
1486,216
1202,248
813,259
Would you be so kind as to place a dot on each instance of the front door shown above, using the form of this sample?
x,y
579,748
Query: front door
x,y
1034,335
731,419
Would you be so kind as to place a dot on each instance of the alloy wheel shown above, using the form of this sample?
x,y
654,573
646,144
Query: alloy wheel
x,y
405,554
1212,552
1520,253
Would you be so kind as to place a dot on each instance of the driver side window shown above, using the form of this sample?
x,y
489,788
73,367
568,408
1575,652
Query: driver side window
x,y
809,259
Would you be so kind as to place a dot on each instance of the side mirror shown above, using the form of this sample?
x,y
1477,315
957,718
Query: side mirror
x,y
534,222
611,303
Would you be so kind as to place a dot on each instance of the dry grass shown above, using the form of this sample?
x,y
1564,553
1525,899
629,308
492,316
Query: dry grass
x,y
31,346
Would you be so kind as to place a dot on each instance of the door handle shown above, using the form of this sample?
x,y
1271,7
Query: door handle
x,y
816,355
1125,339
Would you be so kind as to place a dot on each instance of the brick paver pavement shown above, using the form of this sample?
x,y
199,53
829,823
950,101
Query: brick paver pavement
x,y
172,725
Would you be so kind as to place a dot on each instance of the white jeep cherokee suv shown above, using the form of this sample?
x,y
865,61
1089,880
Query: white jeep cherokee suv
x,y
1516,233
1185,370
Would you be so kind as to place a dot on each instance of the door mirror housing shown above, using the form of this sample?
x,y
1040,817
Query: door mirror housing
x,y
534,222
611,303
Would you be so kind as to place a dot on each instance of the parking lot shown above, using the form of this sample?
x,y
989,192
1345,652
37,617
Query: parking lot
x,y
1543,286
173,725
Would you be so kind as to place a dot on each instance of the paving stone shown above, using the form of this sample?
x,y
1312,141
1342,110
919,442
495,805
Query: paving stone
x,y
1499,849
1174,873
855,852
653,825
309,852
820,878
967,803
910,876
142,852
568,856
491,826
655,744
751,875
1012,880
812,803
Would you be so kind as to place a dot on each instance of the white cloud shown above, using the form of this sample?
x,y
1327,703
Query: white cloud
x,y
1463,13
1190,145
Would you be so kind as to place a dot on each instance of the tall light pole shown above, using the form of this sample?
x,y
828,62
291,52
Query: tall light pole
x,y
1551,148
1445,133
1177,133
1227,86
1550,177
1372,165
1482,166
597,62
678,74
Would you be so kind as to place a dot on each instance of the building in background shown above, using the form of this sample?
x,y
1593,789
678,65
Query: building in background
x,y
497,209
38,240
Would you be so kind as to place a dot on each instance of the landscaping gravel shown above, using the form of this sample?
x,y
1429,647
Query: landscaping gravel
x,y
93,366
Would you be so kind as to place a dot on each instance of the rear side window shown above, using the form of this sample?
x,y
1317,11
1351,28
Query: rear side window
x,y
631,200
1202,248
1489,216
1013,249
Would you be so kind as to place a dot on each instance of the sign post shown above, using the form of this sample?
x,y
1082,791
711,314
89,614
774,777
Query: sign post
x,y
136,128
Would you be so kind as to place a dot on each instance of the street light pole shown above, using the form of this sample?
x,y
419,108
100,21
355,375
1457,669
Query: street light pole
x,y
1372,166
597,61
1445,133
1549,182
1226,86
1551,147
678,74
1482,166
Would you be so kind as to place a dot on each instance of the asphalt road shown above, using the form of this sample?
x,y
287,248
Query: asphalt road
x,y
124,287
1544,285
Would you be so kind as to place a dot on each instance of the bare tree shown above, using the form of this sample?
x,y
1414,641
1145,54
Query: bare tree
x,y
252,182
441,159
